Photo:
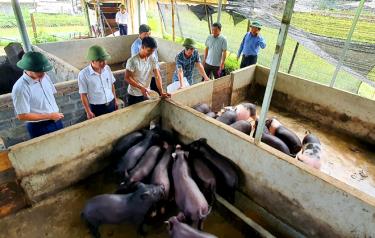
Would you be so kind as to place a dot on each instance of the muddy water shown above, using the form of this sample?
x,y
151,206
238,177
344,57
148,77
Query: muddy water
x,y
59,217
343,157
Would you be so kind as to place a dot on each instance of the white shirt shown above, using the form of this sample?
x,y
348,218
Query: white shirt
x,y
122,18
97,86
141,69
34,96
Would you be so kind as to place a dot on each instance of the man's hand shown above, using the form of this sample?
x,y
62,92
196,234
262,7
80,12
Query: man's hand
x,y
165,95
116,106
56,116
90,115
145,92
206,78
222,66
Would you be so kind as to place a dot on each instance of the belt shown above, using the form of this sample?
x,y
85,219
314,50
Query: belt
x,y
250,55
106,104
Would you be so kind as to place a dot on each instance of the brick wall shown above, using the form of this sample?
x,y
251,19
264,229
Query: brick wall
x,y
13,131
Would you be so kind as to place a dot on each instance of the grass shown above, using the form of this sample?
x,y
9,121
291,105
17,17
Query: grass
x,y
306,65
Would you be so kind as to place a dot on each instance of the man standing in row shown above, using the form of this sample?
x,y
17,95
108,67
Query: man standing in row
x,y
33,96
96,84
145,31
138,73
122,20
250,45
215,52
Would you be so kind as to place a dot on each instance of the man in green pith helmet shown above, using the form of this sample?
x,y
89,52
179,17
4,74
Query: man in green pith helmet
x,y
250,45
33,96
96,84
185,62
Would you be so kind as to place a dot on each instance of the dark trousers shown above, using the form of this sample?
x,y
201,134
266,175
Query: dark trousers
x,y
102,109
36,129
248,60
153,85
209,69
123,29
134,99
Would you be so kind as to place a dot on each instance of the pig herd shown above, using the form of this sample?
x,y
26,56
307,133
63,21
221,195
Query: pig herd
x,y
158,173
243,117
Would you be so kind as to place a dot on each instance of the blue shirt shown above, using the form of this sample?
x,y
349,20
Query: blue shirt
x,y
136,47
187,65
34,96
250,45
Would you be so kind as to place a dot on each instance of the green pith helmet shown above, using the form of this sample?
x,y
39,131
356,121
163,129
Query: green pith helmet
x,y
122,6
97,52
256,24
35,62
189,43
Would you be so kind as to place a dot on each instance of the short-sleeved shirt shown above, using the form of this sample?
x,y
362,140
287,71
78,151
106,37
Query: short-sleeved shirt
x,y
122,18
97,86
34,96
216,46
141,69
187,65
136,47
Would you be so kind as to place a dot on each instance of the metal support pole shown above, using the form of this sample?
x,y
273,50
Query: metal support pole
x,y
347,42
173,30
100,20
86,12
293,57
220,4
34,26
178,19
283,33
21,26
139,12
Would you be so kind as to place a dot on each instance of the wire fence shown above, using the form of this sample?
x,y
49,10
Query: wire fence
x,y
312,63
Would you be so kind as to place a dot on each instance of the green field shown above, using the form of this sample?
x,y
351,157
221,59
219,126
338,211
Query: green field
x,y
54,27
306,65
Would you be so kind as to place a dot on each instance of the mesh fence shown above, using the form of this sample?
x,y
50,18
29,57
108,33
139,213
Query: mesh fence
x,y
321,36
45,21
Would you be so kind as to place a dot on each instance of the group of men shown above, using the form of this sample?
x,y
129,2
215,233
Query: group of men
x,y
33,93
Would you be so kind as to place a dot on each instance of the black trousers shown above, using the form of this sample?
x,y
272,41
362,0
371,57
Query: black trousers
x,y
248,60
102,109
123,29
209,69
36,129
134,99
153,85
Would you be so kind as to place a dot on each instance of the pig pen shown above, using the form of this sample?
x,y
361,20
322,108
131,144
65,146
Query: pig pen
x,y
68,58
343,122
56,173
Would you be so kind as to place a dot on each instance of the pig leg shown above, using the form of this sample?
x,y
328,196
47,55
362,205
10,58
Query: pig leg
x,y
200,225
94,228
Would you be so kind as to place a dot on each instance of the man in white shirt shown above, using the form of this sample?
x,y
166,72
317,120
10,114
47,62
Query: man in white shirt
x,y
33,96
138,73
122,20
96,84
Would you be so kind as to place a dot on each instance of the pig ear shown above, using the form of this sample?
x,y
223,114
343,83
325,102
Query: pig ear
x,y
145,195
174,155
186,154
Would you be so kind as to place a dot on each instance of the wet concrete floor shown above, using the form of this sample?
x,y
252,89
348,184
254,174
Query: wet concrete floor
x,y
59,216
343,157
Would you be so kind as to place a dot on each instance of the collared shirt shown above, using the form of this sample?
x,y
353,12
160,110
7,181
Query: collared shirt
x,y
216,46
136,47
97,86
34,96
122,18
141,69
250,45
187,65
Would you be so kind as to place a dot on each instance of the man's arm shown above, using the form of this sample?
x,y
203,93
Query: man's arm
x,y
205,55
85,102
159,83
241,47
114,94
129,78
201,71
180,75
224,56
40,116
